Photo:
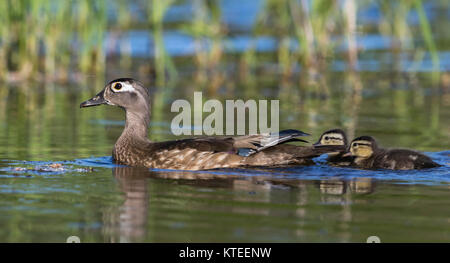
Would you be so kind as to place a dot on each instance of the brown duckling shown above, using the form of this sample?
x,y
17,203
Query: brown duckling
x,y
135,149
335,137
368,155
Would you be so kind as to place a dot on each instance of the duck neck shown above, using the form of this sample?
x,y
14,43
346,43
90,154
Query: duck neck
x,y
361,160
136,125
365,161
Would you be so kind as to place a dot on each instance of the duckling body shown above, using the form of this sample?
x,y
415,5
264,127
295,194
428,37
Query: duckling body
x,y
135,149
335,137
368,155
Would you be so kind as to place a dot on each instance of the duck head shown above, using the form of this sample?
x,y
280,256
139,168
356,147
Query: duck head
x,y
131,96
362,147
126,93
332,137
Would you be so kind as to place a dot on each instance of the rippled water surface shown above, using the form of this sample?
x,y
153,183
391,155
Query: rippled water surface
x,y
101,202
57,178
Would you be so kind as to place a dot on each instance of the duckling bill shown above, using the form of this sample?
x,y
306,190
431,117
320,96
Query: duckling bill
x,y
368,155
135,149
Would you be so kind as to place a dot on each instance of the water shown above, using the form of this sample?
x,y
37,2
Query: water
x,y
299,204
57,178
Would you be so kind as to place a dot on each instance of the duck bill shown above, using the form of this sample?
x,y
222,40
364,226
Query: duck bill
x,y
329,148
98,99
317,144
347,154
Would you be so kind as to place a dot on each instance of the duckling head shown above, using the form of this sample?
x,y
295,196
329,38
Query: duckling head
x,y
362,147
332,137
126,93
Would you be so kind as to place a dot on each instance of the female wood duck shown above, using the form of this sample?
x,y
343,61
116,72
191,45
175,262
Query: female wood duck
x,y
339,138
368,155
135,149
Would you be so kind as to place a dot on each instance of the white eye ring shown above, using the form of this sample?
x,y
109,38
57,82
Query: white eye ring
x,y
121,87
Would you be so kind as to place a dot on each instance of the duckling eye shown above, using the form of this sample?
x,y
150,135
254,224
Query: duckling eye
x,y
326,138
117,86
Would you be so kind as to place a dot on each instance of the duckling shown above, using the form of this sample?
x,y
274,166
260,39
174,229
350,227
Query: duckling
x,y
135,149
339,138
368,155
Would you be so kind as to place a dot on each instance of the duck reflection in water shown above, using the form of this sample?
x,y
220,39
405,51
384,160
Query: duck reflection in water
x,y
130,220
133,220
340,191
362,185
129,223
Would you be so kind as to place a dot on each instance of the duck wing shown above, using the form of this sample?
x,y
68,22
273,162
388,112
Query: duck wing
x,y
242,145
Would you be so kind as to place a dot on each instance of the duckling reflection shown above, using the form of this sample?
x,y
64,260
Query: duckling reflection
x,y
337,191
332,187
362,185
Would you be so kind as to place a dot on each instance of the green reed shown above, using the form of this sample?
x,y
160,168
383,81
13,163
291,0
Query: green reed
x,y
156,11
56,38
208,31
428,38
39,36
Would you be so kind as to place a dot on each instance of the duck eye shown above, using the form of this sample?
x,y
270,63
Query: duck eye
x,y
117,86
326,138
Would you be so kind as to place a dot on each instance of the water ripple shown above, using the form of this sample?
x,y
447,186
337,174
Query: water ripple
x,y
320,171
